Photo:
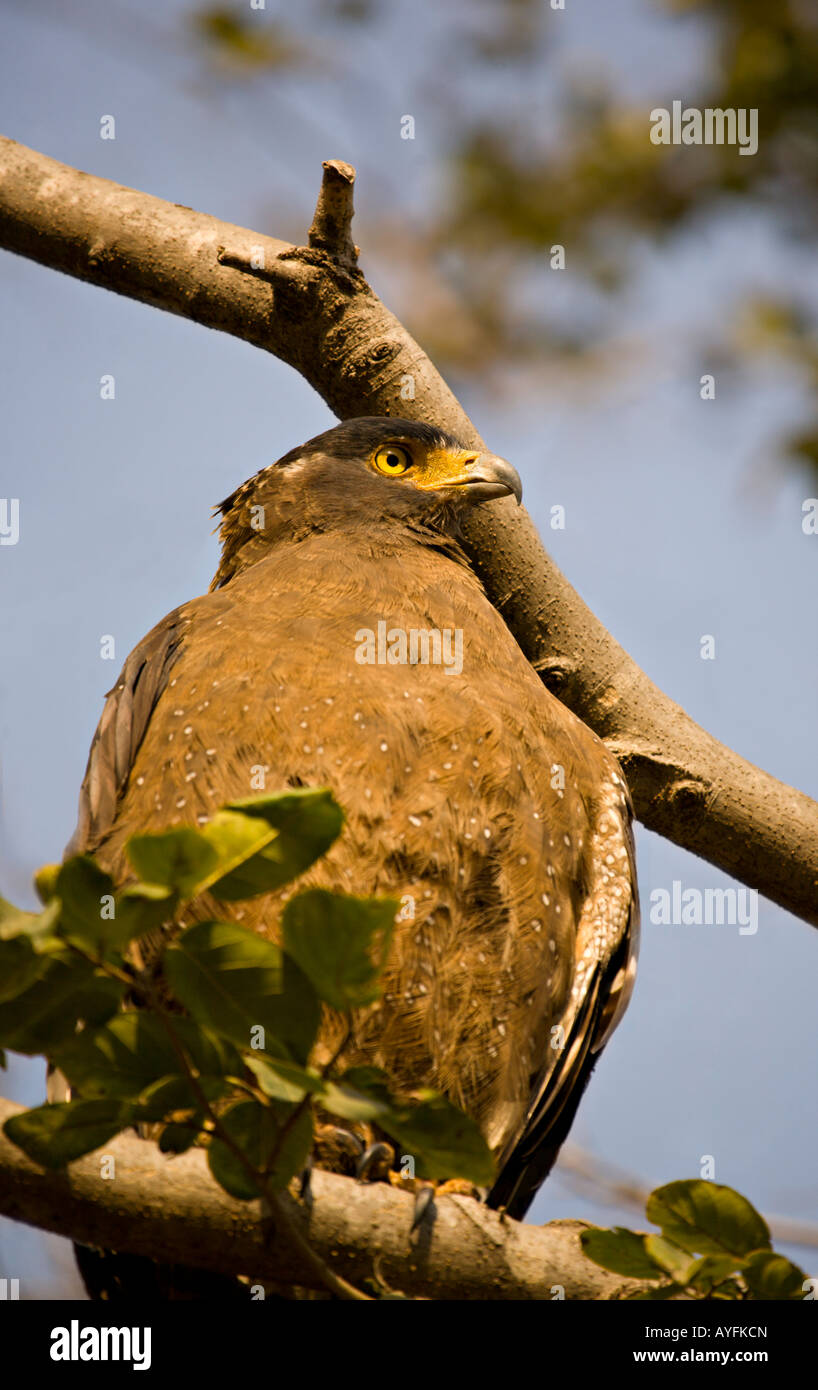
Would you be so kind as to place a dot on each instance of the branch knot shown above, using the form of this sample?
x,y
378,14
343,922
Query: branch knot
x,y
332,223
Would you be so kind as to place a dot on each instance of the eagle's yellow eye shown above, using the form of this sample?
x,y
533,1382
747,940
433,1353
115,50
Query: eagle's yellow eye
x,y
393,459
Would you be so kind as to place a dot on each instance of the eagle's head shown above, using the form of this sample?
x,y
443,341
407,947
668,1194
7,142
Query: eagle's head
x,y
374,470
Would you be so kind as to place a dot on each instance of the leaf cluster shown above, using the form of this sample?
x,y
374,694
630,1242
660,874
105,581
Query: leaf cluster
x,y
214,1042
712,1244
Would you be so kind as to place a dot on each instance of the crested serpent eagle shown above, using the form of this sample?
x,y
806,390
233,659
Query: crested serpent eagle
x,y
466,784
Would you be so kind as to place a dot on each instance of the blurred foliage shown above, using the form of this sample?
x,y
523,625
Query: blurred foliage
x,y
713,1245
599,186
538,142
236,43
605,170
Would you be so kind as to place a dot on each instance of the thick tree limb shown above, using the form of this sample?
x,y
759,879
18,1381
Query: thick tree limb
x,y
171,1209
311,307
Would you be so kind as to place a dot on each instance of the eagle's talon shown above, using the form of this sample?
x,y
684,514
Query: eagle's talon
x,y
424,1202
348,1142
305,1181
374,1155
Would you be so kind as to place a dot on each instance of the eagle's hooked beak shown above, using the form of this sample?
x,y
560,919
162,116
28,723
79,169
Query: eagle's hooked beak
x,y
490,476
478,477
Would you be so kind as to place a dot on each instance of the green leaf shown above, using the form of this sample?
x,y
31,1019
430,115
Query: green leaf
x,y
148,892
443,1141
771,1276
176,1139
308,820
713,1269
678,1263
45,882
81,886
140,908
180,859
620,1250
254,1129
728,1289
134,1050
284,1081
252,846
20,966
333,937
232,980
53,1135
350,1103
170,1094
46,1013
292,1154
244,868
38,928
238,841
373,1080
657,1294
707,1218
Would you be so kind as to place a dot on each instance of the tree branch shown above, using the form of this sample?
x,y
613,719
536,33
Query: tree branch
x,y
172,1210
331,229
311,307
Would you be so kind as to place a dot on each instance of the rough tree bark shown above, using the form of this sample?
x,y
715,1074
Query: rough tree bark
x,y
172,1209
311,307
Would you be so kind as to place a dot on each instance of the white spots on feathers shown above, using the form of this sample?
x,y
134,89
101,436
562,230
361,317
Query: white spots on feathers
x,y
606,912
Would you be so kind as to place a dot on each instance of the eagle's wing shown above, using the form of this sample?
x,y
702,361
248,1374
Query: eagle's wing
x,y
121,729
605,969
125,716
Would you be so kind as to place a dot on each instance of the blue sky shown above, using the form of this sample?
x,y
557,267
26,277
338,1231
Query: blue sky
x,y
681,518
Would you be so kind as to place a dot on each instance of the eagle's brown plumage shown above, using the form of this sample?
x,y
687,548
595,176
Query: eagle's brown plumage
x,y
475,797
